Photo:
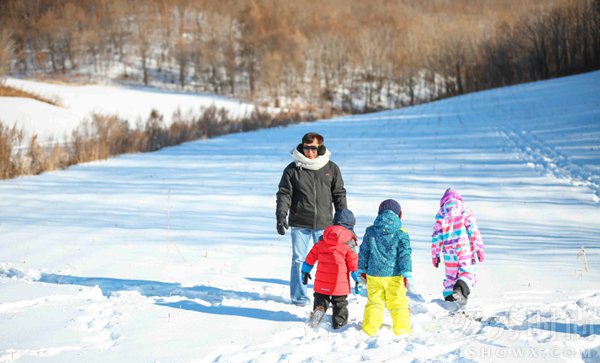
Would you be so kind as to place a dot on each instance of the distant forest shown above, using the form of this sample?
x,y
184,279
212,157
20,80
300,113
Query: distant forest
x,y
340,55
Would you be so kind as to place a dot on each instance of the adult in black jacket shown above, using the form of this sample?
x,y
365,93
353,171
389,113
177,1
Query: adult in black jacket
x,y
310,187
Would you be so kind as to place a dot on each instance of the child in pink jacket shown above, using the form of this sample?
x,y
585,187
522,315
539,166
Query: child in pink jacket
x,y
455,234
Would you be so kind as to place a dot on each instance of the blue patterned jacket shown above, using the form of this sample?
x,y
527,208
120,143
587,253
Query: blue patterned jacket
x,y
385,250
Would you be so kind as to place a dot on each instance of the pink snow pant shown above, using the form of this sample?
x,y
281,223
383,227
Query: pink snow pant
x,y
458,267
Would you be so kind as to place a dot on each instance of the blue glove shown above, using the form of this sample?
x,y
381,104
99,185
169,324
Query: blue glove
x,y
359,289
354,275
362,277
306,268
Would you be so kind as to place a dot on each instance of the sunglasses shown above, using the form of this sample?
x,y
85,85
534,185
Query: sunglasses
x,y
312,148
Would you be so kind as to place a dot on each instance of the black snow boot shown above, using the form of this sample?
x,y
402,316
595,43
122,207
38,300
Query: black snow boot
x,y
461,292
340,311
449,298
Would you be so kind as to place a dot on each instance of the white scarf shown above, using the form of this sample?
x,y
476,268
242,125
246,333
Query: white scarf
x,y
311,164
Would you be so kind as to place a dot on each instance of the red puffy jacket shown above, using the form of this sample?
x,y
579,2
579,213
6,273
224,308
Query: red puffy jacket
x,y
336,260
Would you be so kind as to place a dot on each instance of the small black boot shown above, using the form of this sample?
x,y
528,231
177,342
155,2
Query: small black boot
x,y
449,298
461,292
340,311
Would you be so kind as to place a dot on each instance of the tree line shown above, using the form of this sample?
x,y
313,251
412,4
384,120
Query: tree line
x,y
346,55
103,136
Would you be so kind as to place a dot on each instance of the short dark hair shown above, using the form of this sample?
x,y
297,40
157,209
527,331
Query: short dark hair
x,y
311,136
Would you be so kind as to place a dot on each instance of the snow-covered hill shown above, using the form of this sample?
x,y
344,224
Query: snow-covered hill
x,y
77,103
173,255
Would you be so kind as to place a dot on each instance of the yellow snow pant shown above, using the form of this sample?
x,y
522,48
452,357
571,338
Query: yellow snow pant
x,y
388,291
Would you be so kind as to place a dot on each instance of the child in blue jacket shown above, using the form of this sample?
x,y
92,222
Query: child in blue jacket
x,y
385,257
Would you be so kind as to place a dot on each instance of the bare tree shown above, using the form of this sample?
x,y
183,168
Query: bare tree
x,y
143,16
94,45
72,16
557,28
255,30
330,54
20,16
181,53
6,53
164,33
47,40
230,50
535,32
373,52
117,29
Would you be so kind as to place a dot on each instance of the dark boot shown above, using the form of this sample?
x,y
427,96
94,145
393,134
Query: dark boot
x,y
449,298
316,316
319,308
461,292
340,311
320,300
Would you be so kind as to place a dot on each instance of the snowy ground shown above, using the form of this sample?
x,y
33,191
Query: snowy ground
x,y
173,256
77,103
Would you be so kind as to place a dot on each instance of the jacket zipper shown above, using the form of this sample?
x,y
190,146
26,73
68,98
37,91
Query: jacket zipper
x,y
316,209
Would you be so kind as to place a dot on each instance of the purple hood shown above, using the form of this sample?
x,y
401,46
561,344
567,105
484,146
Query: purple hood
x,y
450,193
451,203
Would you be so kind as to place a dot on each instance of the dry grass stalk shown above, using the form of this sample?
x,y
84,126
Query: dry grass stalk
x,y
8,91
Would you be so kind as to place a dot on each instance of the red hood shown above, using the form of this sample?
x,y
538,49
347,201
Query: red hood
x,y
334,235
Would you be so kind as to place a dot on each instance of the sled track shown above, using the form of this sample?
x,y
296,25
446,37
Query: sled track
x,y
546,158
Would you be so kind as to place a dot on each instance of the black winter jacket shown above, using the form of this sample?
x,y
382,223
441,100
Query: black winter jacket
x,y
309,195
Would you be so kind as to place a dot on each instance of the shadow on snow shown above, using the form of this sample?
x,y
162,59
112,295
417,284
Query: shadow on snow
x,y
269,281
205,299
232,310
583,330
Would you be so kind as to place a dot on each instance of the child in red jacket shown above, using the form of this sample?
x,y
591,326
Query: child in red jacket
x,y
332,283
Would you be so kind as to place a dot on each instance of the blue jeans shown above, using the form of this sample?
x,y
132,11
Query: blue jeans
x,y
300,240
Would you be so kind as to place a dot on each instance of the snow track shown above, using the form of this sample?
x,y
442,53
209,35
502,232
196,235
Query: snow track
x,y
89,319
509,332
540,155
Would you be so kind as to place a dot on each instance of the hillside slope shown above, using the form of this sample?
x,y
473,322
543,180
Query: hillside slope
x,y
173,255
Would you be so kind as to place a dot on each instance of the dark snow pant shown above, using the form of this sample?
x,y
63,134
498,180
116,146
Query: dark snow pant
x,y
339,305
